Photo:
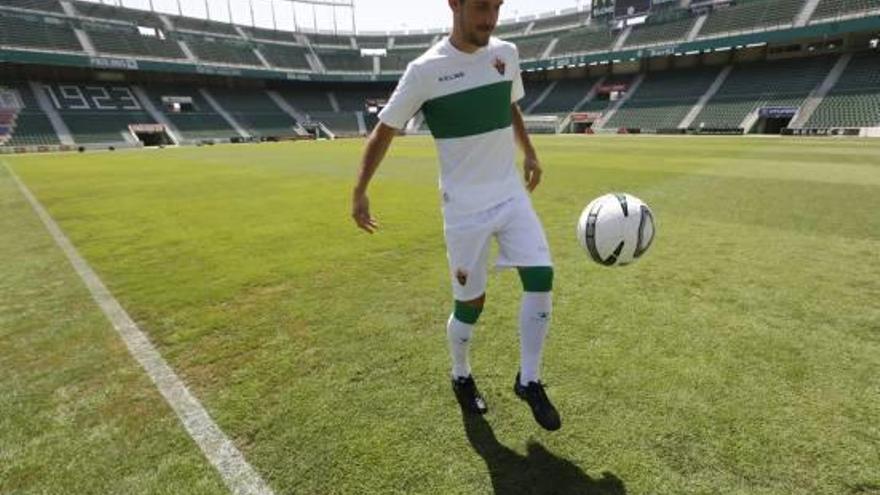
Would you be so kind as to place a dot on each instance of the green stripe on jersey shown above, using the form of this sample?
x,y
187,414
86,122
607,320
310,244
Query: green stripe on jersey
x,y
470,112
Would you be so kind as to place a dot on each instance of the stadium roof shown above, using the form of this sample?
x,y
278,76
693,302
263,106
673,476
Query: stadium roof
x,y
340,15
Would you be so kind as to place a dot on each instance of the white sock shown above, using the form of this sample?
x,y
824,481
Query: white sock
x,y
459,336
534,321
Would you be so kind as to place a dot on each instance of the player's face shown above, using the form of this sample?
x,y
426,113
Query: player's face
x,y
477,19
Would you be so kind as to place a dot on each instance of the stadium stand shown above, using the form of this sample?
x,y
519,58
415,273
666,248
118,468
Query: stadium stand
x,y
255,111
663,99
353,97
98,114
35,32
602,102
28,125
769,83
135,16
558,22
751,15
126,40
534,89
855,100
533,47
410,40
196,120
831,9
565,95
584,40
664,32
307,99
270,34
221,50
396,60
337,40
43,5
512,29
345,61
285,56
202,25
372,41
660,102
342,123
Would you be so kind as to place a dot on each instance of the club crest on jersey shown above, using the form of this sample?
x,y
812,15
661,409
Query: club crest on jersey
x,y
500,66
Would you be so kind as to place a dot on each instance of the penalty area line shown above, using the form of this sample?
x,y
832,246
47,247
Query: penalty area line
x,y
229,462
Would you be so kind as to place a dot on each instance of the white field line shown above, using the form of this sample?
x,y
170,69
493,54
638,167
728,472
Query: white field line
x,y
238,475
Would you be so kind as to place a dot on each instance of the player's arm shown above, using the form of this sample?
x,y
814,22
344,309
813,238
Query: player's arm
x,y
531,166
377,146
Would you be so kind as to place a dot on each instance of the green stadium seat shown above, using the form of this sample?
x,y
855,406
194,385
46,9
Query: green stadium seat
x,y
584,40
202,123
202,25
831,9
411,40
122,40
285,56
532,47
855,100
222,50
31,126
31,31
560,22
751,15
771,83
666,32
345,61
254,110
43,5
112,12
565,95
663,99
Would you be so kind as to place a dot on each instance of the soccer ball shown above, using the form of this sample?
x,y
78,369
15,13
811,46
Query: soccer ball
x,y
616,229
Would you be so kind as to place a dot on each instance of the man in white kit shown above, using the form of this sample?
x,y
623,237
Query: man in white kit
x,y
467,86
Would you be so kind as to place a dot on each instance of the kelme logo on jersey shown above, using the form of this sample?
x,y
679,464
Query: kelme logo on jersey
x,y
500,66
451,77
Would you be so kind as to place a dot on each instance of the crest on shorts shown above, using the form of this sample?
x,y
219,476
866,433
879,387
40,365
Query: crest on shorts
x,y
461,276
500,66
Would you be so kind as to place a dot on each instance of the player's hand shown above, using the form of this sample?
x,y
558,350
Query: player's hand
x,y
533,171
360,212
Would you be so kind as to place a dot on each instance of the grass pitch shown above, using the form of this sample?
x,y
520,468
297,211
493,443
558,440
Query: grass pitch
x,y
741,356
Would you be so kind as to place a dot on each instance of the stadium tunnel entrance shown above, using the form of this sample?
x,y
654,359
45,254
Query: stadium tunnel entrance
x,y
151,134
772,120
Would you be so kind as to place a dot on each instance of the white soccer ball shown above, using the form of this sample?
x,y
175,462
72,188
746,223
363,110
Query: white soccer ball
x,y
616,229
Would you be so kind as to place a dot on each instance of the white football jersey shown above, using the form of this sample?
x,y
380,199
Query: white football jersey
x,y
466,99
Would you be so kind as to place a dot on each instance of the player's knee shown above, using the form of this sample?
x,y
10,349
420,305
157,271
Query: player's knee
x,y
469,311
536,278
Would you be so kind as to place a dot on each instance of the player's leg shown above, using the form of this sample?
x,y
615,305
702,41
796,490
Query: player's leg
x,y
523,245
534,319
468,252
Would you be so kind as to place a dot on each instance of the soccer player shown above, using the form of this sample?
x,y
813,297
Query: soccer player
x,y
467,86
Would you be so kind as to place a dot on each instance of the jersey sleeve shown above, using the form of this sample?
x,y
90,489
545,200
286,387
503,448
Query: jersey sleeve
x,y
406,100
518,91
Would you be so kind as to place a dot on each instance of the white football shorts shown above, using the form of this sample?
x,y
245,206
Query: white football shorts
x,y
521,243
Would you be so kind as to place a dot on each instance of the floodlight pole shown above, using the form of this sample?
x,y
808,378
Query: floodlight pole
x,y
253,19
274,21
207,10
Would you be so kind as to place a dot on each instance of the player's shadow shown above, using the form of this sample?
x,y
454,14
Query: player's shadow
x,y
539,472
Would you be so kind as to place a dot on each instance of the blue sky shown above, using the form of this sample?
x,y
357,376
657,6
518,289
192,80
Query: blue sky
x,y
370,15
